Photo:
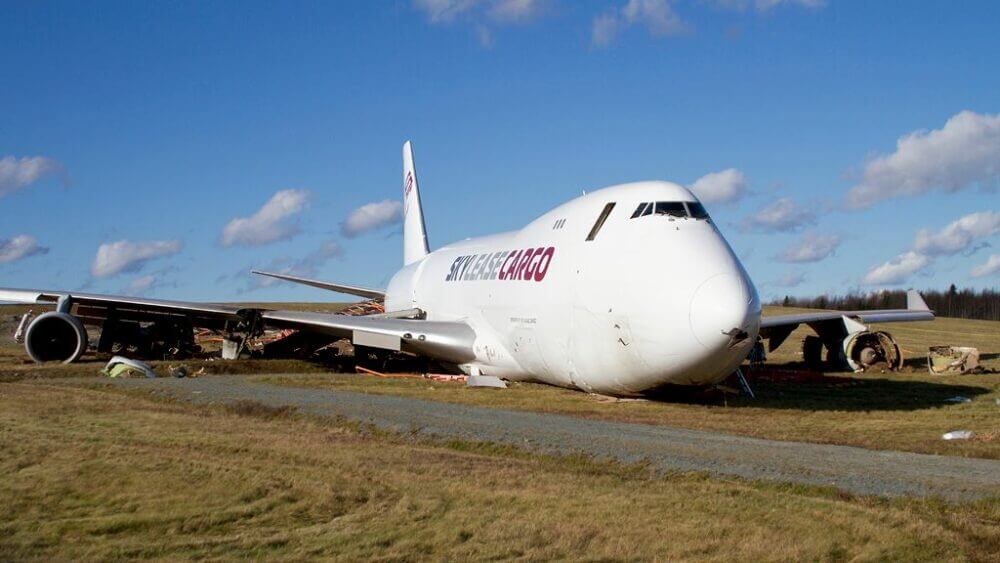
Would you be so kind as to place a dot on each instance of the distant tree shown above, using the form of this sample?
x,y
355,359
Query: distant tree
x,y
965,303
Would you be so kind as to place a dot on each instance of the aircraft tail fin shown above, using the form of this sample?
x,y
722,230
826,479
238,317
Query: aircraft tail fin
x,y
414,231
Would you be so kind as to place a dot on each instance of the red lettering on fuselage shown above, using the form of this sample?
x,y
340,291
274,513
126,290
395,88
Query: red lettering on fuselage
x,y
528,264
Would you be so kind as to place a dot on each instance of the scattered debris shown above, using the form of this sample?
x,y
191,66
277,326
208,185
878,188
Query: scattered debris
x,y
120,366
958,399
952,360
178,372
446,377
367,371
23,326
958,435
373,307
485,381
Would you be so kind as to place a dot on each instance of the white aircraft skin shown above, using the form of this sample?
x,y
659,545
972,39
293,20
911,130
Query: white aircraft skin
x,y
650,301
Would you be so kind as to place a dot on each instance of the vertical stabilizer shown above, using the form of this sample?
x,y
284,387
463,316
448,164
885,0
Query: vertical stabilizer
x,y
414,231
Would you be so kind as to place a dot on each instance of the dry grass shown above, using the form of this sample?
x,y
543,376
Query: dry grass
x,y
905,411
90,476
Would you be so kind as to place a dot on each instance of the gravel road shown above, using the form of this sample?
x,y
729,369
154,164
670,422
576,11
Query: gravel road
x,y
851,469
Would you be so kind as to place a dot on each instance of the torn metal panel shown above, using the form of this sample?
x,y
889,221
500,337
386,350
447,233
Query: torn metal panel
x,y
952,360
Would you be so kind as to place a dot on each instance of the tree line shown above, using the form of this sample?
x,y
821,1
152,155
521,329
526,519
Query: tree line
x,y
959,303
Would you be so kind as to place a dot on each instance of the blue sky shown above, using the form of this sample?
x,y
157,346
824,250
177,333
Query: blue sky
x,y
141,143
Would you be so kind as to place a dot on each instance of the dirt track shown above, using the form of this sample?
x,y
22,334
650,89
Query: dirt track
x,y
855,470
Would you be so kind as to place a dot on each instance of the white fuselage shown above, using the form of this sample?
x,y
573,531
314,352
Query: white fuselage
x,y
650,301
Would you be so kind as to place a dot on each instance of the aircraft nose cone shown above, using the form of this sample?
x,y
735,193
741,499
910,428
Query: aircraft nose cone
x,y
720,309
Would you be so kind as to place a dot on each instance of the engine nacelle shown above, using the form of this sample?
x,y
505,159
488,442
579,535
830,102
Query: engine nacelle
x,y
55,337
866,348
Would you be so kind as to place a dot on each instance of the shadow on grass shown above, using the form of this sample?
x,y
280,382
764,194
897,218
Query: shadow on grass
x,y
920,364
833,393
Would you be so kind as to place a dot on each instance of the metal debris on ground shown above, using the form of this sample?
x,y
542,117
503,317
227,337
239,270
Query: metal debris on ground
x,y
367,371
485,381
958,435
952,360
23,326
958,399
120,366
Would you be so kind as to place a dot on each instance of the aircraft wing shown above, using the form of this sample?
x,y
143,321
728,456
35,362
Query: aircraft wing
x,y
777,328
445,340
95,307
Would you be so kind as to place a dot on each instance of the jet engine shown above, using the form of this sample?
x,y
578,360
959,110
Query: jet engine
x,y
55,337
866,348
857,351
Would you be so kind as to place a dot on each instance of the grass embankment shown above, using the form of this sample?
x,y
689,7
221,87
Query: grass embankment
x,y
88,475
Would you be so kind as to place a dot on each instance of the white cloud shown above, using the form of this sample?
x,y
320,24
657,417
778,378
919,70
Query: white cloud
x,y
372,216
482,14
306,267
271,223
21,246
516,10
963,153
657,16
17,173
958,235
766,5
443,11
725,186
140,285
126,256
780,216
791,279
604,29
988,268
897,270
811,248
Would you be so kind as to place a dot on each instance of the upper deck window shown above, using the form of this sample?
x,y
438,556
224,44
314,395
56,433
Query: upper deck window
x,y
600,220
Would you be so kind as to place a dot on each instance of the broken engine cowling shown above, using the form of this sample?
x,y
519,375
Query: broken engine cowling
x,y
55,337
864,349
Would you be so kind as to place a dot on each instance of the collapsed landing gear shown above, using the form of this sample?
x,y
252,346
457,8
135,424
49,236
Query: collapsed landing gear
x,y
161,339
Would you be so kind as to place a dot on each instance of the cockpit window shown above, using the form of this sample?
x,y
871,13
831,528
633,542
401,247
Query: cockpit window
x,y
697,210
682,209
671,208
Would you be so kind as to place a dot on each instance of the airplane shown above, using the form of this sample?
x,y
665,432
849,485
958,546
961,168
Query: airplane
x,y
625,291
